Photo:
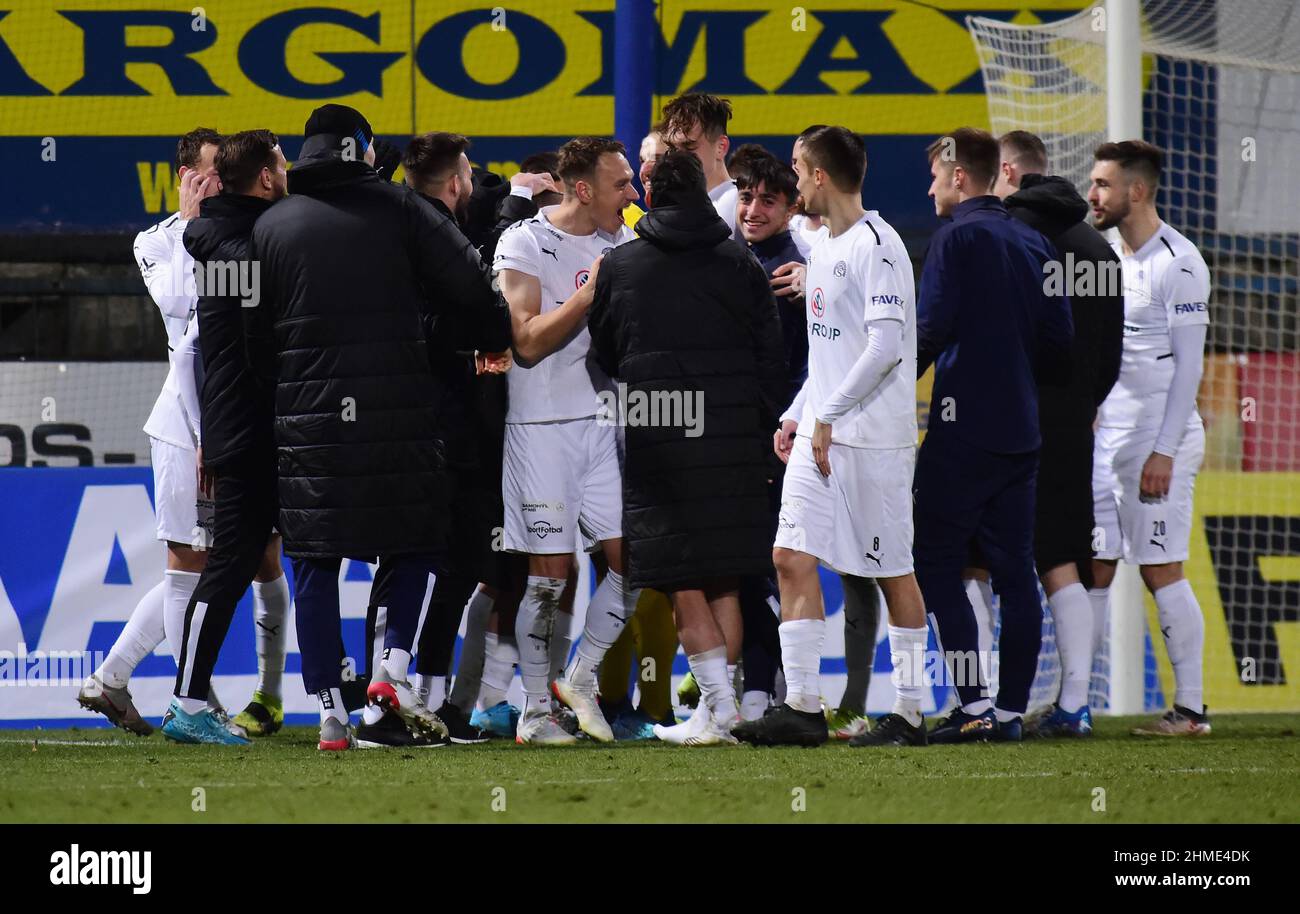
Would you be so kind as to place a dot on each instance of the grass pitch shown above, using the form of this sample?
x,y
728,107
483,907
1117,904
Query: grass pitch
x,y
1248,770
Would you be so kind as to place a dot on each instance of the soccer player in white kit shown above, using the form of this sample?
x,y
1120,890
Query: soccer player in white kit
x,y
561,484
850,441
1150,439
183,514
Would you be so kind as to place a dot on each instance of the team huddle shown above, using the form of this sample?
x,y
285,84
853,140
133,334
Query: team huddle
x,y
475,382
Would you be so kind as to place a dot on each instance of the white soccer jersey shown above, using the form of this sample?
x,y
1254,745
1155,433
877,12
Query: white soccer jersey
x,y
862,275
805,235
1166,285
168,273
563,385
725,199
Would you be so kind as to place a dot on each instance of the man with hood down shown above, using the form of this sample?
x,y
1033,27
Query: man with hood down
x,y
684,318
349,262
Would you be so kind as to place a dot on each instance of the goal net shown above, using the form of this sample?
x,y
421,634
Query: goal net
x,y
1221,97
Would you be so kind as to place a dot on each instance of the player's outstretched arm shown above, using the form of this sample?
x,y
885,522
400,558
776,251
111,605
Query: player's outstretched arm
x,y
537,335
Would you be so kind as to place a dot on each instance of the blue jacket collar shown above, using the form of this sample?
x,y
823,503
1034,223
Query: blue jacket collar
x,y
986,203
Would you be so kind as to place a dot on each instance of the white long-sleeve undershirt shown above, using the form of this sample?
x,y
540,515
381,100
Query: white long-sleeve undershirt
x,y
1187,343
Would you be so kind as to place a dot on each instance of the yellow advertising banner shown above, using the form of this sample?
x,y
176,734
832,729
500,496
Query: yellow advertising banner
x,y
532,68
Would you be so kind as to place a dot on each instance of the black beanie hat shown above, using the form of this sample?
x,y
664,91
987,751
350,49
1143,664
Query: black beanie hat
x,y
340,120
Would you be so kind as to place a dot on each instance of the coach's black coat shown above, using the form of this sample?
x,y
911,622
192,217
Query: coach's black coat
x,y
350,263
685,308
237,406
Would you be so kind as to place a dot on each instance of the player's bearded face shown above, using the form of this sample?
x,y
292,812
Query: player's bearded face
x,y
464,189
1108,196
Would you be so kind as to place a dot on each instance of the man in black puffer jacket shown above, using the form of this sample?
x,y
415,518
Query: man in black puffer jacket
x,y
685,314
238,455
1063,524
350,264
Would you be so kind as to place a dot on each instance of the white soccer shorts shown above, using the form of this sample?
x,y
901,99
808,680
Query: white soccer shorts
x,y
858,520
183,517
562,486
1142,532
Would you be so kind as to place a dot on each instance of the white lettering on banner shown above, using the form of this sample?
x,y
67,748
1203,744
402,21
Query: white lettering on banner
x,y
81,598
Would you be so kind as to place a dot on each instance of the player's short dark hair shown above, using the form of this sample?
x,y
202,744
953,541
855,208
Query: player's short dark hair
x,y
810,130
242,156
546,162
677,176
433,156
840,153
1026,150
1134,156
975,150
189,147
754,167
709,111
577,158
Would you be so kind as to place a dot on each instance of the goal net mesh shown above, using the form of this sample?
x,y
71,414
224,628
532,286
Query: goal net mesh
x,y
1221,97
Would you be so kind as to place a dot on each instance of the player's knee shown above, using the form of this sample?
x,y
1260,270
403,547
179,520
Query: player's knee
x,y
550,566
1157,576
792,564
1103,573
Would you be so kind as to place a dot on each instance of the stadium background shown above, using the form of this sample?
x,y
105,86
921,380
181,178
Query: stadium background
x,y
94,95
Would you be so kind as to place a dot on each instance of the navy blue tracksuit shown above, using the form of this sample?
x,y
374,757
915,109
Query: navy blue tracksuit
x,y
993,333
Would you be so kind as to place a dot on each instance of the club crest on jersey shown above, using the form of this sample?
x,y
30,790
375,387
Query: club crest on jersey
x,y
580,279
840,268
818,302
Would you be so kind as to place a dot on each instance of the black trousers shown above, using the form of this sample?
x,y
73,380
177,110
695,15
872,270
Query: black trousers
x,y
245,508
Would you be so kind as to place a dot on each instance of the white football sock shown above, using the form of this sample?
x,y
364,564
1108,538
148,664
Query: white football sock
x,y
178,587
1183,626
330,702
778,693
437,692
397,663
976,708
980,593
1072,616
561,643
190,705
801,655
498,670
710,669
533,625
754,704
1099,597
1005,716
607,614
469,671
270,615
141,635
907,654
